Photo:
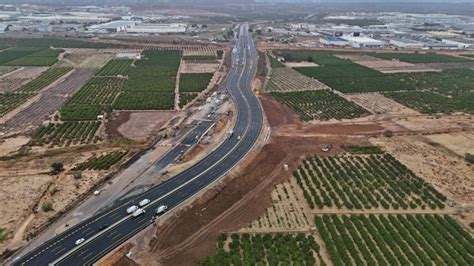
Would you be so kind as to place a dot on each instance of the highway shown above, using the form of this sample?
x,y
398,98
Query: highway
x,y
61,250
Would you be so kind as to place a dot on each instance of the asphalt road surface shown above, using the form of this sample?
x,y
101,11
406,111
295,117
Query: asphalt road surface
x,y
111,227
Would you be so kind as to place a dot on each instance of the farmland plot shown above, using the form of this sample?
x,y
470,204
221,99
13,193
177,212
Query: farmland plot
x,y
103,162
115,67
320,105
144,101
14,53
266,249
66,132
98,91
419,57
9,101
284,79
379,104
395,240
52,42
15,79
45,57
194,82
364,182
385,66
49,101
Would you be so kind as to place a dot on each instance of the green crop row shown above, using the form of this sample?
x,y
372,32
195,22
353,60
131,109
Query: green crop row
x,y
115,67
144,101
186,97
9,101
14,53
266,249
98,91
80,112
319,105
52,42
103,162
199,57
395,240
363,149
364,182
275,63
45,79
60,133
194,82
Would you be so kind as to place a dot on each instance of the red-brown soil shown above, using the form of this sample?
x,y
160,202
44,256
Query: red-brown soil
x,y
190,235
277,113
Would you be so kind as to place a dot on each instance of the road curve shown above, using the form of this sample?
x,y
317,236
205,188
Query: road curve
x,y
61,250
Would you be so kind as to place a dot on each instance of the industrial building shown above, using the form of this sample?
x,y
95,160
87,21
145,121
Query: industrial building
x,y
406,43
333,40
460,43
112,27
157,28
363,42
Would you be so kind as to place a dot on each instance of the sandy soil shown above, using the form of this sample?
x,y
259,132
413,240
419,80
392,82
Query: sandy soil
x,y
284,79
301,64
439,124
85,58
141,125
11,145
4,70
19,77
385,66
19,195
459,143
192,67
379,104
447,172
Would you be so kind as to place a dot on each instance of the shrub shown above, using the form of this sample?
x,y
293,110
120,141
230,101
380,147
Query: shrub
x,y
47,206
469,157
57,168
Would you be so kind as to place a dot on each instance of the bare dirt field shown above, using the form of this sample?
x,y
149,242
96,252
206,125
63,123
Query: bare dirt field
x,y
195,67
10,145
436,124
379,104
385,66
447,172
15,79
459,143
300,64
48,102
442,66
140,125
85,58
6,69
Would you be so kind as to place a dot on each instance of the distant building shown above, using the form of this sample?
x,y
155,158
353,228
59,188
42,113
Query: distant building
x,y
157,28
460,43
113,26
128,55
333,40
363,42
406,43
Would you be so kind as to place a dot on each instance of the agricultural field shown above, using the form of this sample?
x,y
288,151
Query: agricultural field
x,y
419,57
142,100
468,55
66,132
186,97
283,79
379,104
19,77
51,42
14,53
9,101
102,162
115,67
155,72
199,57
385,66
320,105
376,181
265,249
194,82
395,240
45,57
45,79
274,63
98,91
80,112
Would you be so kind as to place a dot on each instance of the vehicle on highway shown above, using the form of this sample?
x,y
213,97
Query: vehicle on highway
x,y
79,241
97,192
132,208
144,202
138,212
160,210
238,137
104,226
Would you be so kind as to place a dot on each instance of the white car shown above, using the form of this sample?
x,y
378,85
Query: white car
x,y
161,209
97,192
238,137
79,241
138,212
143,202
132,208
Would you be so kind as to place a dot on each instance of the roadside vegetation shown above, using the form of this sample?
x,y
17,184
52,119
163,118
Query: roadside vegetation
x,y
103,162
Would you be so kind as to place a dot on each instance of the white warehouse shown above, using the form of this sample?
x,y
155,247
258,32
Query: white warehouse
x,y
363,42
407,43
158,28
